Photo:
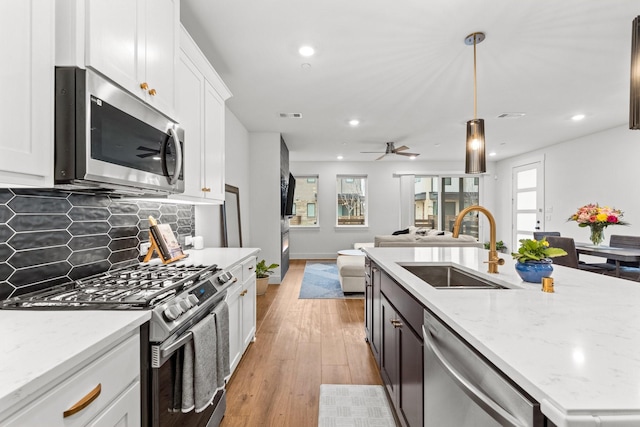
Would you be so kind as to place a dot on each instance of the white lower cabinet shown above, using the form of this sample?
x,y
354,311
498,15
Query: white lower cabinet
x,y
241,299
124,412
106,392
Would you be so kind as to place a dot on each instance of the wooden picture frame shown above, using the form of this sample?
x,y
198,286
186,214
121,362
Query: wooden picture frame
x,y
232,229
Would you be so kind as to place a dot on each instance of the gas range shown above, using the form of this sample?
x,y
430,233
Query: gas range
x,y
174,294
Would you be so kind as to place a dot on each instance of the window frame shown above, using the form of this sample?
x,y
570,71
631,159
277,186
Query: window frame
x,y
302,181
350,179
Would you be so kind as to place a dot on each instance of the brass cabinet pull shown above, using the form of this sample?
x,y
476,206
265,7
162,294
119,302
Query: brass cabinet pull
x,y
84,402
206,190
396,323
144,86
152,92
250,268
243,293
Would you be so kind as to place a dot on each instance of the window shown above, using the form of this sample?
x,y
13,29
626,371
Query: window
x,y
438,200
426,202
305,202
351,200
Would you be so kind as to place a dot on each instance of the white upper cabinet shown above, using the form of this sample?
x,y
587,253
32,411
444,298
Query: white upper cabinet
x,y
200,110
213,144
135,43
132,42
27,85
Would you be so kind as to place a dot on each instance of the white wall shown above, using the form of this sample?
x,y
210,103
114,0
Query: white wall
x,y
264,215
599,168
208,218
384,202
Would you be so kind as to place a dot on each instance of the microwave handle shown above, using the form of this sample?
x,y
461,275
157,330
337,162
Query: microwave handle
x,y
178,147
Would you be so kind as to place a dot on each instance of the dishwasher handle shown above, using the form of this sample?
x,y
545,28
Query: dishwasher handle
x,y
477,395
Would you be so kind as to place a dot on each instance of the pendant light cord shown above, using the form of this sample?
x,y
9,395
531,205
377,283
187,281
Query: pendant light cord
x,y
475,95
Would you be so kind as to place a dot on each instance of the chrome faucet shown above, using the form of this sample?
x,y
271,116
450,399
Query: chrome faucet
x,y
494,259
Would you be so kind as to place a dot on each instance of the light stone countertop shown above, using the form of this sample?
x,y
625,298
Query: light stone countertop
x,y
40,347
575,351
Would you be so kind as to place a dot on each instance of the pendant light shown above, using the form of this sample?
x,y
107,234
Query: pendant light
x,y
634,108
475,158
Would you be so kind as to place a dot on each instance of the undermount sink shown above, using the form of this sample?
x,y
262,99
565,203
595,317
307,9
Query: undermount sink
x,y
448,277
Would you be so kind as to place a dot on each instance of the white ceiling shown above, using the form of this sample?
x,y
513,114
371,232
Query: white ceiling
x,y
401,67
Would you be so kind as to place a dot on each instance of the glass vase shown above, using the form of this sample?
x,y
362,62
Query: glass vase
x,y
597,234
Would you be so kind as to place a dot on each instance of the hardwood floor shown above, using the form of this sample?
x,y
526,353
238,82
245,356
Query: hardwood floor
x,y
300,344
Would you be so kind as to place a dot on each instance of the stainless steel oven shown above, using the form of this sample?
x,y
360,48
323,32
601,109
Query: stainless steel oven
x,y
165,373
106,138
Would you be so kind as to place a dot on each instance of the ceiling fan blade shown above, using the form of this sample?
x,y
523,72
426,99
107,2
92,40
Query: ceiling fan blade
x,y
381,156
408,154
402,148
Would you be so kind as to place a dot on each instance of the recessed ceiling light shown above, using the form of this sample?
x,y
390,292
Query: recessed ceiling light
x,y
340,157
412,157
493,153
305,66
354,122
290,115
578,117
437,144
306,51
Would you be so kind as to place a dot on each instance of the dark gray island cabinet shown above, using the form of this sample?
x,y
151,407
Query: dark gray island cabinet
x,y
393,322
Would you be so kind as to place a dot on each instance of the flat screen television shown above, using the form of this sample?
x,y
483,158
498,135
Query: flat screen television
x,y
288,202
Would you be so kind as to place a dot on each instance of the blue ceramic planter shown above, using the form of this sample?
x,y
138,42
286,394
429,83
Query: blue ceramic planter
x,y
534,271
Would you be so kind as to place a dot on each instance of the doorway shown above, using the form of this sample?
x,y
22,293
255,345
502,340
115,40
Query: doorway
x,y
527,201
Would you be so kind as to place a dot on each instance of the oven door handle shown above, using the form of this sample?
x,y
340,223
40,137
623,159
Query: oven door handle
x,y
166,352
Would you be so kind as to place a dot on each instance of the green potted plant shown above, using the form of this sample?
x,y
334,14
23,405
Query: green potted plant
x,y
534,259
262,276
500,247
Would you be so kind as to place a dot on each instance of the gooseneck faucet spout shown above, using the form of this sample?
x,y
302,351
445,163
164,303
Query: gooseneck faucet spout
x,y
494,259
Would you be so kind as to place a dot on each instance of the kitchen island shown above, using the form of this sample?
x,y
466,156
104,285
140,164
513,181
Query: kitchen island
x,y
575,351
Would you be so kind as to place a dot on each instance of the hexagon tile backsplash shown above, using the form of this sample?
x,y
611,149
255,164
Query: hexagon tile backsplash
x,y
49,237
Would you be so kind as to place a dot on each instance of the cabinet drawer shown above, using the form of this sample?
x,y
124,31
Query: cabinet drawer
x,y
404,303
114,372
248,268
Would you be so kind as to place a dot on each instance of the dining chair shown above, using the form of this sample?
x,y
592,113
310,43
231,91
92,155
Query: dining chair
x,y
628,269
538,235
571,259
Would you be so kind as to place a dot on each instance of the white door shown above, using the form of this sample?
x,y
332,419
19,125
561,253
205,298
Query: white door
x,y
527,201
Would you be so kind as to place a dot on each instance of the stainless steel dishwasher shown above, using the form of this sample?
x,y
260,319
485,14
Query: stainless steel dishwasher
x,y
463,389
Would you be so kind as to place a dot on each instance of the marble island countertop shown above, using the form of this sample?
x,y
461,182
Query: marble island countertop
x,y
575,351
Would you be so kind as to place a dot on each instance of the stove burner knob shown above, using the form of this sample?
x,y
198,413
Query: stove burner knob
x,y
193,300
172,312
185,304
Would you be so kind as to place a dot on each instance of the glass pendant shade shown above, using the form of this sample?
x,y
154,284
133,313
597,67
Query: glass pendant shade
x,y
634,107
475,159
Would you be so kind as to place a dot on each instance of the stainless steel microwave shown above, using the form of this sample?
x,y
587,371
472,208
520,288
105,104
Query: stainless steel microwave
x,y
107,139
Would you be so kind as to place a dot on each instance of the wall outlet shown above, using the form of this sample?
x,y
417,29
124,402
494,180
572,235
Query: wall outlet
x,y
144,248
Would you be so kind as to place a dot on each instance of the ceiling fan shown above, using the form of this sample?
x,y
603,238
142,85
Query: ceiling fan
x,y
391,149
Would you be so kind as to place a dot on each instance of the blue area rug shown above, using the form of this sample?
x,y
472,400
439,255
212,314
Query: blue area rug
x,y
320,280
